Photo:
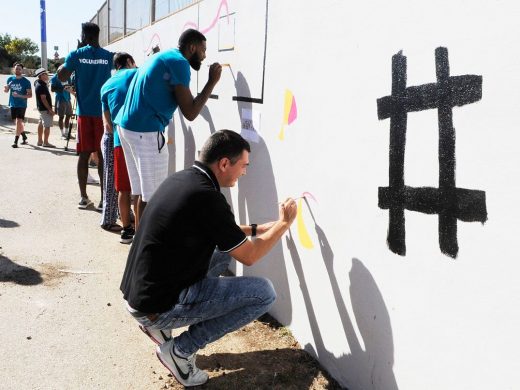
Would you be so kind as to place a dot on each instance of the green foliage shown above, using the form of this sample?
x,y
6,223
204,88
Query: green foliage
x,y
21,47
18,49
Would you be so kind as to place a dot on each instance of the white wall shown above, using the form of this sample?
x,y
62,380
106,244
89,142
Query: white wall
x,y
374,319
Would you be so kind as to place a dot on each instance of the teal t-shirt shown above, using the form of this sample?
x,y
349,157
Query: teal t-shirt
x,y
113,94
20,86
60,92
92,67
150,101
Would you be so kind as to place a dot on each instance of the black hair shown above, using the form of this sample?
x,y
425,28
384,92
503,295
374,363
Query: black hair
x,y
90,32
189,37
121,58
223,144
18,63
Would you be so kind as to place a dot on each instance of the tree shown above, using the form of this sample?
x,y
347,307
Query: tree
x,y
17,49
21,47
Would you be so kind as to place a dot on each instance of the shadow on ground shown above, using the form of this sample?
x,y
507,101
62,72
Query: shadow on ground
x,y
19,274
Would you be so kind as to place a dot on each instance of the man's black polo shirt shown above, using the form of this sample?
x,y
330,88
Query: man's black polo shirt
x,y
185,219
41,88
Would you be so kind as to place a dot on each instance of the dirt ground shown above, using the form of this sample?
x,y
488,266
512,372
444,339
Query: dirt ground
x,y
61,313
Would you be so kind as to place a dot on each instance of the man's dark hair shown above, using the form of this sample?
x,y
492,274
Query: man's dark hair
x,y
90,32
18,63
223,144
121,58
189,37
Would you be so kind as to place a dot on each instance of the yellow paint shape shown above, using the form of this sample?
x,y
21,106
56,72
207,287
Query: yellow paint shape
x,y
281,135
305,239
287,106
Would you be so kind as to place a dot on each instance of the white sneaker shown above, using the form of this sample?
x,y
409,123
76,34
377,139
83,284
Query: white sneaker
x,y
92,180
183,369
158,336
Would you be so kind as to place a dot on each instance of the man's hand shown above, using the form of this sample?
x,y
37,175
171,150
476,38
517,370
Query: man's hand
x,y
215,70
287,211
51,112
6,88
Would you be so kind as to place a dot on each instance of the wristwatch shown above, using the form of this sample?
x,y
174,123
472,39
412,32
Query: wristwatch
x,y
253,229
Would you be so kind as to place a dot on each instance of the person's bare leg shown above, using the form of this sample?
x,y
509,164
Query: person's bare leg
x,y
124,201
19,126
46,133
83,173
40,133
140,208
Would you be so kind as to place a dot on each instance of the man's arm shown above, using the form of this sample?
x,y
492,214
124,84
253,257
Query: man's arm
x,y
63,73
43,97
28,94
251,251
190,106
107,121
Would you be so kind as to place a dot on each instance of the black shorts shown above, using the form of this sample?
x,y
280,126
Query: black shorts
x,y
18,112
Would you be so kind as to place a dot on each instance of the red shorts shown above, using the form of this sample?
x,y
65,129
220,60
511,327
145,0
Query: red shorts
x,y
121,180
90,132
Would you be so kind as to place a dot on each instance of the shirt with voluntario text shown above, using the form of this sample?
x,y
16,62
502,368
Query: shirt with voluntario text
x,y
185,219
41,88
150,102
113,94
92,67
61,94
20,86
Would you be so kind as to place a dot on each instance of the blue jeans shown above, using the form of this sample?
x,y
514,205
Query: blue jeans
x,y
214,306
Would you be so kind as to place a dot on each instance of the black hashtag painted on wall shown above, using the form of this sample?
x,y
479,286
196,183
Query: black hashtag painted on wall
x,y
448,201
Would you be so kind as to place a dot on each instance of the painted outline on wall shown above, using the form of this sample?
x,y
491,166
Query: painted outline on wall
x,y
223,3
448,201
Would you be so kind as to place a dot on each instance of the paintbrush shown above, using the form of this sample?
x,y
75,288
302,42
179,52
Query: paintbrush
x,y
228,65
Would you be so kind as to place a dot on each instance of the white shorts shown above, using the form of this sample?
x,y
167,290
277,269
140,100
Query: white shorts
x,y
147,166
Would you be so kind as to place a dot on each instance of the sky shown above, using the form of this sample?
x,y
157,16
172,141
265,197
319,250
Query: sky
x,y
64,18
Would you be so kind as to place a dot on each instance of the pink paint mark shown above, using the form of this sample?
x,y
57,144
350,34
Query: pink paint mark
x,y
155,40
309,195
293,113
213,23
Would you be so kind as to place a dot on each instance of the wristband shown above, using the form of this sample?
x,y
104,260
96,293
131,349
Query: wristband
x,y
253,229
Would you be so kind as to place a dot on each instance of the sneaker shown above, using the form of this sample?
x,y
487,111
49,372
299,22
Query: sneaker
x,y
100,206
127,236
92,180
157,336
14,145
24,142
183,369
84,203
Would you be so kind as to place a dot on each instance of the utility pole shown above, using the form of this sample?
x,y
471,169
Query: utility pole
x,y
43,26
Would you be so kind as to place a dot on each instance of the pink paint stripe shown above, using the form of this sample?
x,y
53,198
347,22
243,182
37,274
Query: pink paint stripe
x,y
308,194
151,42
213,23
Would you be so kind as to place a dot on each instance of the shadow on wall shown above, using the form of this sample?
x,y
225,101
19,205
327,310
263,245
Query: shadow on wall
x,y
368,368
14,273
258,203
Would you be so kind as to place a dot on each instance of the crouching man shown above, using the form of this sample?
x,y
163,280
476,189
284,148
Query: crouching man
x,y
185,240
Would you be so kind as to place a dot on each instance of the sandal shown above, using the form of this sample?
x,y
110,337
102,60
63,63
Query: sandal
x,y
48,145
39,144
112,227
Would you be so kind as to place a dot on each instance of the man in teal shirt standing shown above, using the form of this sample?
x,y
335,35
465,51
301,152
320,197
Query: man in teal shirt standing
x,y
159,87
20,90
92,66
62,103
